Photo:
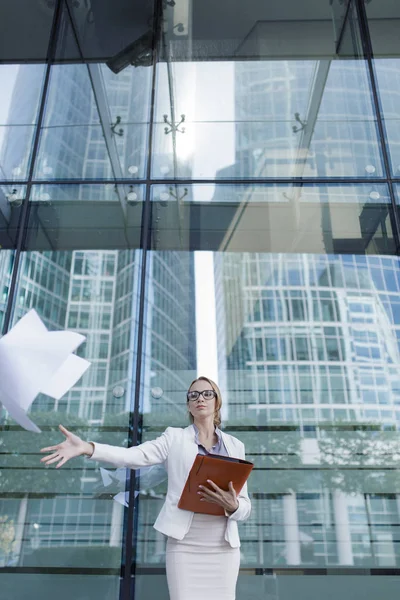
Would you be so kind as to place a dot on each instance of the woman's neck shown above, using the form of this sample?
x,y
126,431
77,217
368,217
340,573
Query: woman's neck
x,y
206,427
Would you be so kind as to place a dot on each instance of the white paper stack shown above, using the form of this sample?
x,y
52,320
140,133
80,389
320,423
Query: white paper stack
x,y
34,360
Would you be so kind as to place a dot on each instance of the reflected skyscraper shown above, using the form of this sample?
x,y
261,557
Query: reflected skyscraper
x,y
256,143
314,347
309,342
96,292
322,123
318,336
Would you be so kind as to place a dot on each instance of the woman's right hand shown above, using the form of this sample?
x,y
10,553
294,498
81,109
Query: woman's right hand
x,y
72,446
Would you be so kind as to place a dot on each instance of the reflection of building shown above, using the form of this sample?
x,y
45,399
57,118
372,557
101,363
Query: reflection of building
x,y
5,277
334,134
96,293
307,342
311,341
15,151
318,335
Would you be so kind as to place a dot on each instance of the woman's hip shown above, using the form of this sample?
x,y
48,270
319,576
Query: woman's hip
x,y
199,572
206,534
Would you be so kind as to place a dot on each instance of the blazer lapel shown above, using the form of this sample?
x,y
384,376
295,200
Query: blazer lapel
x,y
230,448
190,449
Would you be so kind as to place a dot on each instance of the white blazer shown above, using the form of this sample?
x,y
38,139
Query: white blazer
x,y
177,449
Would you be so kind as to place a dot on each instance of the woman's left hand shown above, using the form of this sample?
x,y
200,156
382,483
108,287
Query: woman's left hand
x,y
227,499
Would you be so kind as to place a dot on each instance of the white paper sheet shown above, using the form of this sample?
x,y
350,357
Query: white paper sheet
x,y
116,476
123,498
106,476
34,360
66,377
149,476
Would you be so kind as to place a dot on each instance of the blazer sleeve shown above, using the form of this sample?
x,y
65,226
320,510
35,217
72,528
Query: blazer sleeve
x,y
149,453
244,509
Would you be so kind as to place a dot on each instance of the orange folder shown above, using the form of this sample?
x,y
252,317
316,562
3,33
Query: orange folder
x,y
221,470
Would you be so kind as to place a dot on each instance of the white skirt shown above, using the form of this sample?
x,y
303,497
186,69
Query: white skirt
x,y
202,566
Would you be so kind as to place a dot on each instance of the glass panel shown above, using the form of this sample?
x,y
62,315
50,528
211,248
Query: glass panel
x,y
286,29
85,216
95,125
77,586
96,121
286,294
278,218
120,32
280,586
305,348
72,518
296,299
383,23
21,91
339,11
283,112
11,200
396,188
27,38
6,265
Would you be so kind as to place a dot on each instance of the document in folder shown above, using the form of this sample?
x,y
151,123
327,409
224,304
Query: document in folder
x,y
221,470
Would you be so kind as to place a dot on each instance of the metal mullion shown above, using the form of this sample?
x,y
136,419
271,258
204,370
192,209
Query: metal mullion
x,y
128,585
343,28
209,181
35,147
368,55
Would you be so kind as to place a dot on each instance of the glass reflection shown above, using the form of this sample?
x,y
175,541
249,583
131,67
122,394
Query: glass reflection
x,y
74,518
277,218
6,264
26,39
388,77
339,9
21,91
307,352
95,124
288,295
265,119
11,200
269,116
383,23
85,216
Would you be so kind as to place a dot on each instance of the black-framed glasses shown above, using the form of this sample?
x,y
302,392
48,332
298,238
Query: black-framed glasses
x,y
195,395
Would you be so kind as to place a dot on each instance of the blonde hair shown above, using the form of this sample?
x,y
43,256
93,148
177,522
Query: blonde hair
x,y
218,400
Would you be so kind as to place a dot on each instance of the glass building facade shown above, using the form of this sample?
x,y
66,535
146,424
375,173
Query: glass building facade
x,y
206,188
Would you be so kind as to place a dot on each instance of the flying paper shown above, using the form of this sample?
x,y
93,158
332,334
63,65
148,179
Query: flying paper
x,y
149,477
34,360
123,498
117,477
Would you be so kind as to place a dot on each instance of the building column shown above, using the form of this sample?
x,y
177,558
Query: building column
x,y
291,527
117,517
342,528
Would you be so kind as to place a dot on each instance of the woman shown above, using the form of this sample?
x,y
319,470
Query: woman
x,y
203,554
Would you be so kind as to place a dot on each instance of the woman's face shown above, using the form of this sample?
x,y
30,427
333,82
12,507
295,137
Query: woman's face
x,y
202,407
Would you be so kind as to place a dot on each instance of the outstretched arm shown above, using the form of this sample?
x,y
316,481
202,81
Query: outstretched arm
x,y
146,454
149,453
